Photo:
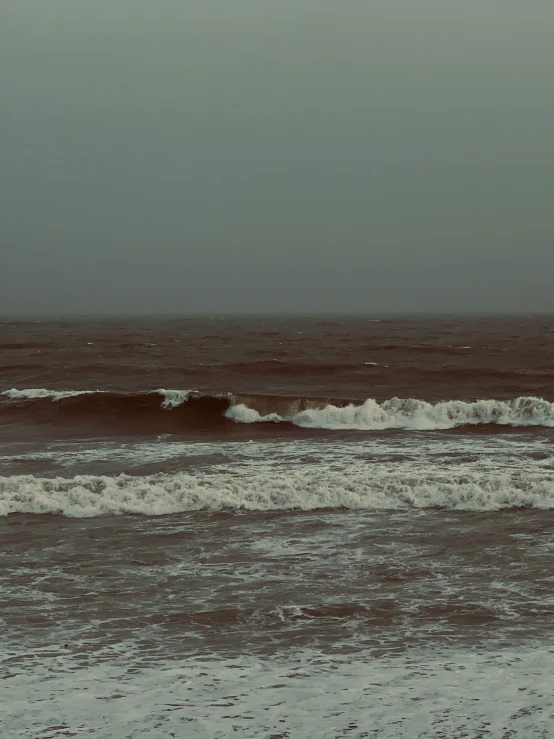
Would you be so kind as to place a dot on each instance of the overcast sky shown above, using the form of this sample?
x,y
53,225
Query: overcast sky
x,y
181,156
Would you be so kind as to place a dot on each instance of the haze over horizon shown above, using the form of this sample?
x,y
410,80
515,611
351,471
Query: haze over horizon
x,y
276,157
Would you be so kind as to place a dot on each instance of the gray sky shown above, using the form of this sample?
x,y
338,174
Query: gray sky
x,y
276,155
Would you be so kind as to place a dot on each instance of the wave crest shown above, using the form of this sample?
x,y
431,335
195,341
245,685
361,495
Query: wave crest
x,y
159,411
410,414
303,489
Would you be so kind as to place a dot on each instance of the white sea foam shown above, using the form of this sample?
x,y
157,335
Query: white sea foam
x,y
39,393
170,398
399,413
241,413
174,398
301,694
396,413
261,488
520,452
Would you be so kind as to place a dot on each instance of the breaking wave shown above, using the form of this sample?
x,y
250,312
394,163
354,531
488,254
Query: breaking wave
x,y
104,411
303,489
411,414
160,411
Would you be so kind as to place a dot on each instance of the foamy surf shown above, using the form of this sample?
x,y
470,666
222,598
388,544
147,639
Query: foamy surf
x,y
410,414
306,488
174,398
303,694
170,398
193,406
41,393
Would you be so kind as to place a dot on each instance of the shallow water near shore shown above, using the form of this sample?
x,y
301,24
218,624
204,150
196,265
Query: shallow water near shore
x,y
323,528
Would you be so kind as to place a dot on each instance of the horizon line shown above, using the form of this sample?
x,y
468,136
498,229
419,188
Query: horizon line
x,y
54,316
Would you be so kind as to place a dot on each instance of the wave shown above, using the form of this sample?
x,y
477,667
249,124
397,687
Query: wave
x,y
43,393
151,411
411,414
160,411
305,488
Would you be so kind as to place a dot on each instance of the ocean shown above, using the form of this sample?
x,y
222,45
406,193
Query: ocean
x,y
277,527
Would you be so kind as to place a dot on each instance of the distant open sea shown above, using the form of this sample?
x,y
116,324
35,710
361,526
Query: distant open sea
x,y
277,528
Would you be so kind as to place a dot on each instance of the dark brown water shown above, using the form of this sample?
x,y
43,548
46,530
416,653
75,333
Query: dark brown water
x,y
277,528
351,357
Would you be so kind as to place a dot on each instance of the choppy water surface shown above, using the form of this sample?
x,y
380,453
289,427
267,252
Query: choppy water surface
x,y
277,528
